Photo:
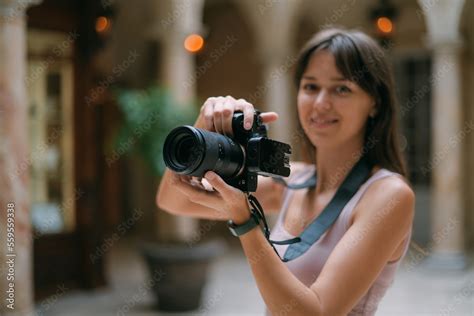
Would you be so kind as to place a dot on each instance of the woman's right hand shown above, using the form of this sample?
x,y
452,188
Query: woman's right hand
x,y
216,114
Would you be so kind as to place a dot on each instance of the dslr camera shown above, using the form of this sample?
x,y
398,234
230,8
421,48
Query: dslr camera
x,y
238,160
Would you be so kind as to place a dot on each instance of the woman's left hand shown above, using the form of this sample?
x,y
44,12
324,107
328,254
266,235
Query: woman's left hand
x,y
224,198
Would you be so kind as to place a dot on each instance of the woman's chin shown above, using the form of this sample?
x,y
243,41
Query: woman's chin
x,y
324,143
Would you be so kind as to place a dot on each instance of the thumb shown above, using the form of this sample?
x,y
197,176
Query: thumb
x,y
217,183
268,117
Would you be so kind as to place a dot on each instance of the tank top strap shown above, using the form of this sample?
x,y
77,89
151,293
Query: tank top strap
x,y
348,209
379,174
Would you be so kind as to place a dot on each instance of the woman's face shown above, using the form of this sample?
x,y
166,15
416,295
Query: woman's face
x,y
333,111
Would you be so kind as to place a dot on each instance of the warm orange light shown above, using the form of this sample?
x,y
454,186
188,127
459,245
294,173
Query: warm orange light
x,y
102,24
384,25
193,43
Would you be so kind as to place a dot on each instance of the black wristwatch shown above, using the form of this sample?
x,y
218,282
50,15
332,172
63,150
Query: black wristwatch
x,y
251,223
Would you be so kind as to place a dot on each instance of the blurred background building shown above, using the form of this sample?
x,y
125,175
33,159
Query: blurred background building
x,y
77,195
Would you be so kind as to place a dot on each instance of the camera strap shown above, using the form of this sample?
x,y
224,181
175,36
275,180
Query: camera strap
x,y
310,183
299,245
266,231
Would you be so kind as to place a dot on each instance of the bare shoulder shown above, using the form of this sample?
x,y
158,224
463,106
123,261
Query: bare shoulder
x,y
390,187
390,196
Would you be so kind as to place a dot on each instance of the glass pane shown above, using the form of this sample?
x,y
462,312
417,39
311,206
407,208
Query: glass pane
x,y
50,97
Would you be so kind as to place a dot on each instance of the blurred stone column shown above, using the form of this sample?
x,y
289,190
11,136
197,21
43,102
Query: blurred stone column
x,y
277,67
447,209
184,18
278,58
178,19
16,259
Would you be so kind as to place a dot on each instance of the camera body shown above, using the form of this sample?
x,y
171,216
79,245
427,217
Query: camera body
x,y
238,160
264,156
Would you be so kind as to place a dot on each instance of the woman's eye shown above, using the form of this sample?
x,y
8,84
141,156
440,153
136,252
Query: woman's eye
x,y
309,87
343,90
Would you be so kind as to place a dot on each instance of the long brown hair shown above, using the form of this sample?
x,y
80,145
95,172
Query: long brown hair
x,y
360,59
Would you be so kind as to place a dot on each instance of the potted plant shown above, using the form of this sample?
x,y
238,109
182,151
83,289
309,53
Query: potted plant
x,y
149,115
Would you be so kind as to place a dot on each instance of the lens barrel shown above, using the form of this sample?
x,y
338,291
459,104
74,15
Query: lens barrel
x,y
193,151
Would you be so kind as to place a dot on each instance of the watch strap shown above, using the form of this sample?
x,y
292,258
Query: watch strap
x,y
239,230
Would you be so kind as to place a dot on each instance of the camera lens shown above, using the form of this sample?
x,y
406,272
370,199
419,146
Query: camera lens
x,y
193,151
184,150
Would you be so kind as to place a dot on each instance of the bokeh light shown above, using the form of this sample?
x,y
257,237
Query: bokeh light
x,y
385,25
102,24
193,43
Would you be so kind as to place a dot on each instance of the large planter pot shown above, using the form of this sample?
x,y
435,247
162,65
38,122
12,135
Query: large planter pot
x,y
182,272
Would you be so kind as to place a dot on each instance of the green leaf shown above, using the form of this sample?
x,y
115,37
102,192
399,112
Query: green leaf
x,y
149,115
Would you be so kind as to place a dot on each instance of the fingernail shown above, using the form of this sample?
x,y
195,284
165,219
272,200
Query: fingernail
x,y
248,125
210,175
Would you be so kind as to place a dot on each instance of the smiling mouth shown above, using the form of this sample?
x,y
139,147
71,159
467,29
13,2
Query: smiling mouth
x,y
323,123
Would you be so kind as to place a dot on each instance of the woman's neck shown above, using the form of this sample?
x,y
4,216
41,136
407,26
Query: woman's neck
x,y
333,164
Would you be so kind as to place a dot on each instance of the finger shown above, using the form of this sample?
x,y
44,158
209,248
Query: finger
x,y
268,117
208,113
219,185
227,111
217,115
210,199
249,112
195,182
207,186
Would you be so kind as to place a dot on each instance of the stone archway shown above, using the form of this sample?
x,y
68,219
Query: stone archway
x,y
228,64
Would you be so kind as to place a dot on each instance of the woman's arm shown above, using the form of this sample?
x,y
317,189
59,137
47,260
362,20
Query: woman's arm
x,y
171,198
384,219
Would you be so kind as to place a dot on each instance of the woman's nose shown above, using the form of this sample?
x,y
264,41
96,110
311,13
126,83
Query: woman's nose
x,y
322,100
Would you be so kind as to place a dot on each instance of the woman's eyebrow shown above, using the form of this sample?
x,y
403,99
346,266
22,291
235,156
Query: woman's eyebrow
x,y
339,79
309,77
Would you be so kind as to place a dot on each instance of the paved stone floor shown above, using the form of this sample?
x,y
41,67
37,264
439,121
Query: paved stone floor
x,y
231,287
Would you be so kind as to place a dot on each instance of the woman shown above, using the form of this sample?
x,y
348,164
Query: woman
x,y
346,110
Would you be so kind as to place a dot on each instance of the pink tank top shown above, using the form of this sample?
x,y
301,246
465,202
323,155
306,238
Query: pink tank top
x,y
308,266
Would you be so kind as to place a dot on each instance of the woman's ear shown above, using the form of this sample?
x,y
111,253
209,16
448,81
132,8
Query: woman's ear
x,y
373,112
